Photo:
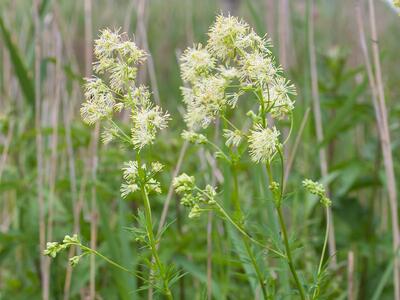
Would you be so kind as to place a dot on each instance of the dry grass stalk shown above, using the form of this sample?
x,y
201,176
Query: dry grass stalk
x,y
39,150
318,125
378,100
350,276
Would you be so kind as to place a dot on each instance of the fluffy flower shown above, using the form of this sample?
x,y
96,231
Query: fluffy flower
x,y
257,67
263,143
205,101
127,189
156,167
130,170
196,62
146,122
118,58
99,101
233,138
278,96
224,36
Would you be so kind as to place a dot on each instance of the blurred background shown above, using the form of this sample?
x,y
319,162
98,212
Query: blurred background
x,y
56,179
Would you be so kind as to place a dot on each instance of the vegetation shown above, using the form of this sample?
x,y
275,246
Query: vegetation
x,y
259,163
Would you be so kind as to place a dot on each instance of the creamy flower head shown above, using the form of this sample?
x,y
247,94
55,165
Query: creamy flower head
x,y
278,97
263,143
258,67
196,62
146,122
225,35
99,103
205,101
233,138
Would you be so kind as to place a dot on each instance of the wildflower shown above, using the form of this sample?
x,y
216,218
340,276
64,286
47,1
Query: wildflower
x,y
107,43
254,42
71,240
278,97
99,101
183,183
52,248
146,122
263,143
228,72
73,261
195,212
224,36
127,189
193,137
153,186
233,138
130,170
141,96
196,62
210,194
257,67
108,134
156,167
317,189
206,100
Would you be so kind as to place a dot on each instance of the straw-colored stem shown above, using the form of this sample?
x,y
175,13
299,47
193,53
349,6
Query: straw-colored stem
x,y
318,123
39,151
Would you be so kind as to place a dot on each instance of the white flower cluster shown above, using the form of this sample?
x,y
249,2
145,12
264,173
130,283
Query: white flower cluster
x,y
117,63
145,176
236,61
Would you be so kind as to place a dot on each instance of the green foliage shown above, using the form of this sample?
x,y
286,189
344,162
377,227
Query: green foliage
x,y
356,177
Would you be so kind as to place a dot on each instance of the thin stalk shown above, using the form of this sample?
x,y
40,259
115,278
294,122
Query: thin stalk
x,y
285,236
45,278
111,262
240,229
386,147
289,252
381,116
318,121
238,211
321,261
153,247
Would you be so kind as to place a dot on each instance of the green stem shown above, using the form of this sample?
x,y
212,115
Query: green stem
x,y
285,235
315,294
111,262
249,251
237,226
153,248
289,253
125,137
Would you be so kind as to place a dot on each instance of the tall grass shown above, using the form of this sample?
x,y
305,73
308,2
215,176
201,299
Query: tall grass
x,y
55,178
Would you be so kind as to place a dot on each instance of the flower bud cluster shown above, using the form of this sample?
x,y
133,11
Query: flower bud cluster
x,y
53,248
197,200
317,189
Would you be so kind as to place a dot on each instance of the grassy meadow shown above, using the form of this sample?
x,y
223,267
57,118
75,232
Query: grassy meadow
x,y
180,173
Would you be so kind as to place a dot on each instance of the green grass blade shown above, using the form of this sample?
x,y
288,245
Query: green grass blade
x,y
25,81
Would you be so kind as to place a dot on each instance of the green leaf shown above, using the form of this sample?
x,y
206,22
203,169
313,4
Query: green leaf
x,y
25,81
